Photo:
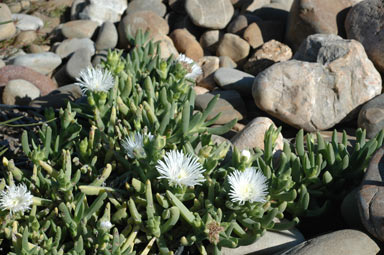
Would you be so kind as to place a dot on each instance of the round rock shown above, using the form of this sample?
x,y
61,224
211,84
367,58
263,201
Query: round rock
x,y
313,17
371,116
11,72
209,64
79,28
107,37
210,39
80,60
20,92
252,136
147,5
101,10
312,91
347,241
365,23
371,196
233,79
26,22
213,14
43,63
269,53
186,43
9,29
69,46
234,47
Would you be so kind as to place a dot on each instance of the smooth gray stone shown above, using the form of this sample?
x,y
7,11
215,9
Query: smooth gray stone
x,y
80,60
44,62
233,79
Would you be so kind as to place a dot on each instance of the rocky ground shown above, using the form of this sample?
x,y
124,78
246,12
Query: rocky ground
x,y
314,65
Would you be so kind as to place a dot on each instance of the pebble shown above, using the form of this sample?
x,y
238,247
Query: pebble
x,y
68,46
226,61
200,90
253,5
19,92
11,72
371,116
25,38
43,63
321,96
241,22
80,60
346,241
233,79
147,5
253,35
187,44
364,23
141,20
210,39
107,37
9,29
34,48
252,136
209,64
371,196
25,22
314,17
268,54
101,10
99,57
213,14
230,105
233,46
271,242
79,28
167,47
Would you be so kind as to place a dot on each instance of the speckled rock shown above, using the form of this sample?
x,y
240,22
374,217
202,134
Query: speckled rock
x,y
269,53
234,47
213,14
365,23
6,30
186,43
79,28
19,92
321,95
11,72
147,5
43,63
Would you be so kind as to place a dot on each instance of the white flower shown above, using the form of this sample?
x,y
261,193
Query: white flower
x,y
250,185
180,169
135,142
105,224
15,199
95,79
193,69
246,154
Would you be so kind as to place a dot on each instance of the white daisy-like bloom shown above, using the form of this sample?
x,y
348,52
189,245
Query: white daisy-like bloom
x,y
106,224
135,142
95,79
16,199
180,169
193,69
246,153
248,186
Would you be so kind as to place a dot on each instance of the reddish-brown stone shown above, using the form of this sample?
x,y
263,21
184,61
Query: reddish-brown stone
x,y
44,83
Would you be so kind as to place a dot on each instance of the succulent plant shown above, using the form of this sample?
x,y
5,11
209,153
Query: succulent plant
x,y
134,169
